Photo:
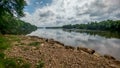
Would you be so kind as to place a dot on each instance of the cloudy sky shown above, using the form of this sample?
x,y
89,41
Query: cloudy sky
x,y
62,12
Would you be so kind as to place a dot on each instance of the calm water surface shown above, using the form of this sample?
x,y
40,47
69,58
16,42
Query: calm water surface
x,y
102,42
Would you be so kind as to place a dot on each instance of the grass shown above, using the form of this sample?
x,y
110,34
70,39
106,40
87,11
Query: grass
x,y
14,38
5,43
1,65
34,44
14,63
26,65
2,55
40,64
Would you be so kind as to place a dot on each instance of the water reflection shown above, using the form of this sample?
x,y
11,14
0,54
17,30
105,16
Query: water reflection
x,y
106,34
100,43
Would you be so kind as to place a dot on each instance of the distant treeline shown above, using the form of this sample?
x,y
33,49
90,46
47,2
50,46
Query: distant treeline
x,y
108,25
49,27
13,25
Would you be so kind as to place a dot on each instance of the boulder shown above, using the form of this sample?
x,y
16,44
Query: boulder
x,y
109,57
90,51
69,47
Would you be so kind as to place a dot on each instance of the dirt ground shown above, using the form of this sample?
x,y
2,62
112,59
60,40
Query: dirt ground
x,y
57,55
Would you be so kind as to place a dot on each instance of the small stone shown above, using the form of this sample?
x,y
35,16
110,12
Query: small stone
x,y
33,48
97,55
42,44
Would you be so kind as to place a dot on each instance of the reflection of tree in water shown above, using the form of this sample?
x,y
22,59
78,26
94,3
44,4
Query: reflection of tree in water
x,y
106,34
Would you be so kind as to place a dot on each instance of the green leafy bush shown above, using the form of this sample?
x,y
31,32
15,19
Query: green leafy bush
x,y
12,25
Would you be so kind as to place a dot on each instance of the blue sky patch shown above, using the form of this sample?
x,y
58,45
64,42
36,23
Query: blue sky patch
x,y
34,4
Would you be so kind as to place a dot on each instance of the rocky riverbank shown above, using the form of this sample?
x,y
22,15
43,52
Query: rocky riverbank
x,y
53,54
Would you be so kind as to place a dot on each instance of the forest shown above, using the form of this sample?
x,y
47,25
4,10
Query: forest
x,y
108,25
10,13
12,25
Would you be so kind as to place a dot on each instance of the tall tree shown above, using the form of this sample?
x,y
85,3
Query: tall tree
x,y
12,7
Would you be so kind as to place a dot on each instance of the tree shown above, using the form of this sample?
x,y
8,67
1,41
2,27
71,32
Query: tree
x,y
108,25
9,24
12,7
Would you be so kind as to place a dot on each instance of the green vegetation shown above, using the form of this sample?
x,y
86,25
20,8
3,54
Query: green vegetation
x,y
12,7
11,25
13,63
2,55
14,38
40,64
34,44
5,43
108,25
10,12
5,62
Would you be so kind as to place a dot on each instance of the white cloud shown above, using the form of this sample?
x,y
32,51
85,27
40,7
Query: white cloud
x,y
61,12
28,2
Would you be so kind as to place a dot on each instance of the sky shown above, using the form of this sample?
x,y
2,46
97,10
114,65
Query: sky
x,y
48,13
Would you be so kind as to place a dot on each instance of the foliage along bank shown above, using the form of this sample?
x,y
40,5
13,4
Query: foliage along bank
x,y
108,25
12,25
10,13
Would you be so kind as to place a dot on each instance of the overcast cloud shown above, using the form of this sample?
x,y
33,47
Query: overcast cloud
x,y
61,12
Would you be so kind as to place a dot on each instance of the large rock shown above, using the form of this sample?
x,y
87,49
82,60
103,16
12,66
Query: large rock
x,y
109,57
59,43
90,51
50,41
69,47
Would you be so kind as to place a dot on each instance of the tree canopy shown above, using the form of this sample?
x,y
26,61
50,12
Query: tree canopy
x,y
9,23
12,7
108,25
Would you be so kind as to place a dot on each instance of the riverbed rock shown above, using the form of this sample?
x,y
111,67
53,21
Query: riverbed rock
x,y
109,57
117,62
69,47
90,51
59,43
51,41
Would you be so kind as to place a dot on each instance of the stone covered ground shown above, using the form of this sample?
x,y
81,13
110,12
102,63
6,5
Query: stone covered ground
x,y
53,54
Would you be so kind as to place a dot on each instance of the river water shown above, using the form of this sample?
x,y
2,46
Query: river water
x,y
103,42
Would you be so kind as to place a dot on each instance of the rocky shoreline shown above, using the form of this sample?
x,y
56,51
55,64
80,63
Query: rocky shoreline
x,y
87,50
57,55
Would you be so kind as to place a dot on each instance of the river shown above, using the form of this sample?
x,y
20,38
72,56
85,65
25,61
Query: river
x,y
101,41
